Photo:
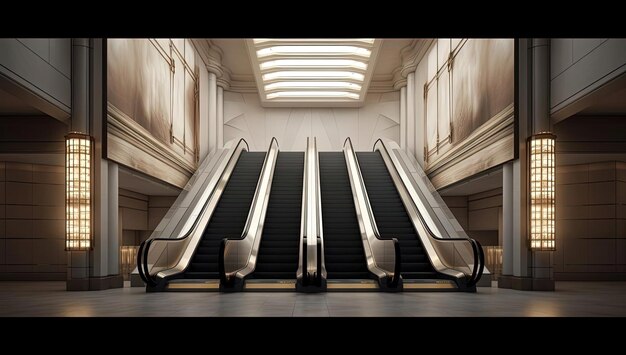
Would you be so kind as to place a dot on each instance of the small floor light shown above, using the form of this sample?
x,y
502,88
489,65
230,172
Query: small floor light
x,y
78,199
542,191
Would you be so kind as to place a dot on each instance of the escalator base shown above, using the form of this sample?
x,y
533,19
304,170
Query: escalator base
x,y
270,285
191,285
352,285
428,285
290,285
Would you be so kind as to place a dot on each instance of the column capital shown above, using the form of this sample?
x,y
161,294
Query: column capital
x,y
212,56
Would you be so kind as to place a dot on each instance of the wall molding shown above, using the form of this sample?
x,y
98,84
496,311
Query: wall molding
x,y
132,145
243,83
491,144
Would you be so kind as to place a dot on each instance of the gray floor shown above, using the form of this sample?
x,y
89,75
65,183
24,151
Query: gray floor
x,y
570,299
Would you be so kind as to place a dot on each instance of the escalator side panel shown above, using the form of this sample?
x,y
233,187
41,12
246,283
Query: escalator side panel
x,y
392,218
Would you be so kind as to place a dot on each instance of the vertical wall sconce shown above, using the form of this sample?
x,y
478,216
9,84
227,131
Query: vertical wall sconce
x,y
78,198
542,191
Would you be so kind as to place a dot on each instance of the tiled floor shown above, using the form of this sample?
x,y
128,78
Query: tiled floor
x,y
570,299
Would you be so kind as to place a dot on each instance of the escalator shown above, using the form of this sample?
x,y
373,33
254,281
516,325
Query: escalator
x,y
278,251
229,217
392,218
239,225
343,246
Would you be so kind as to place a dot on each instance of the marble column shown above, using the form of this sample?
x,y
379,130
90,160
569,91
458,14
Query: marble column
x,y
98,268
203,135
78,270
522,268
410,114
403,130
507,219
541,261
113,219
212,92
220,117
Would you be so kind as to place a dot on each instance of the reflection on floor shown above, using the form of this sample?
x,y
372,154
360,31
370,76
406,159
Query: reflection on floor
x,y
570,299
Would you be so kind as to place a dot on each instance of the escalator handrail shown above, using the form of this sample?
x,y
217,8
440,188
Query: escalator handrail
x,y
312,242
301,272
255,200
142,258
321,269
393,282
479,262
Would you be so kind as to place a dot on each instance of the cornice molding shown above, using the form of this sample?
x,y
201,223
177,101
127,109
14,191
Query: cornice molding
x,y
382,83
243,83
132,145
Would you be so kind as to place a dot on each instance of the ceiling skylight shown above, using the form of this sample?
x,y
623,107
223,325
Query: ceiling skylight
x,y
312,85
318,94
313,63
315,72
314,51
317,75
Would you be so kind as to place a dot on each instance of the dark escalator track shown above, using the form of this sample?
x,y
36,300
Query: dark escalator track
x,y
391,217
278,252
229,217
343,247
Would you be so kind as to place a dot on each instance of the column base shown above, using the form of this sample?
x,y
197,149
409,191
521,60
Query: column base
x,y
95,283
525,283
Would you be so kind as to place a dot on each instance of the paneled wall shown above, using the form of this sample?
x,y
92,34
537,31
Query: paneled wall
x,y
134,208
32,231
41,139
141,214
581,65
245,117
152,108
41,66
464,108
483,214
591,222
157,208
479,214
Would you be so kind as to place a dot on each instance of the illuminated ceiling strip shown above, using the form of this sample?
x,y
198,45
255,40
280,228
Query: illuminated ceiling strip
x,y
313,85
313,63
265,40
313,94
298,74
313,50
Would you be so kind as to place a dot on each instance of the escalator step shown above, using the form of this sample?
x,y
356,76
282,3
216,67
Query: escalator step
x,y
343,248
278,252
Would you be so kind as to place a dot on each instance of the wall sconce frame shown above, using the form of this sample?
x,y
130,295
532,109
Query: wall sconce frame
x,y
542,191
78,192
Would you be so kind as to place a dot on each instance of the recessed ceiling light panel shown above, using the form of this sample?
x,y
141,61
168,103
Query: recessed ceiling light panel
x,y
313,63
313,94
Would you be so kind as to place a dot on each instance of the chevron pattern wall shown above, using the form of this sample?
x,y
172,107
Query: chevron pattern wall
x,y
244,117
